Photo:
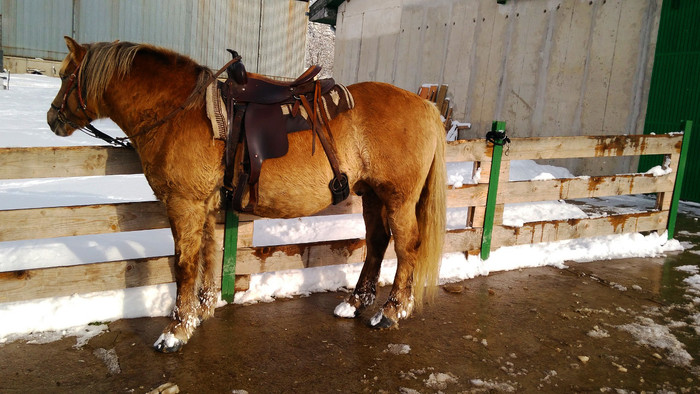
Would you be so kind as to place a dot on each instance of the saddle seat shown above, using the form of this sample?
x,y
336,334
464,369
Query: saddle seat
x,y
262,90
262,111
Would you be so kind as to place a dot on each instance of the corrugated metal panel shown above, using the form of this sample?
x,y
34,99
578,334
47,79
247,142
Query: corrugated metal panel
x,y
200,29
674,93
278,47
35,28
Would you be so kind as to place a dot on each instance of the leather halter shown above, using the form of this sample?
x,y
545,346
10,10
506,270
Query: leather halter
x,y
73,84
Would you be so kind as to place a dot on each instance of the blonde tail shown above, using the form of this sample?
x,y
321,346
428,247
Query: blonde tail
x,y
431,215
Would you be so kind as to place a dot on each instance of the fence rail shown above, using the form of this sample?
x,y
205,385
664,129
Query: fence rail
x,y
34,281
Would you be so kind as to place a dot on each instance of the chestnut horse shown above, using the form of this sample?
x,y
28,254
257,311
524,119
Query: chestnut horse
x,y
391,146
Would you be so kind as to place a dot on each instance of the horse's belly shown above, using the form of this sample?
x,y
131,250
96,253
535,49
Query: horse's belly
x,y
293,189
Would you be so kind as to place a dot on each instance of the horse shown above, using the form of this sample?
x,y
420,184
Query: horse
x,y
391,146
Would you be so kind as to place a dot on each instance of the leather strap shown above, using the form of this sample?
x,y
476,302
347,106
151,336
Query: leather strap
x,y
232,141
317,130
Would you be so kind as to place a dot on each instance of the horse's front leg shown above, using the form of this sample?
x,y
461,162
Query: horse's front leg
x,y
187,222
209,289
377,238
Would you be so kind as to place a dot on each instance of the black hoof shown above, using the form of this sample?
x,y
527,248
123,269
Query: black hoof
x,y
380,321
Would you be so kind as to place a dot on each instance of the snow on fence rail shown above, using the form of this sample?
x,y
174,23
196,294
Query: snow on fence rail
x,y
35,283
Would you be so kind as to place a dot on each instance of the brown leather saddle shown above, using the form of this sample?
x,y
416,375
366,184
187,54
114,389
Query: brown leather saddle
x,y
259,123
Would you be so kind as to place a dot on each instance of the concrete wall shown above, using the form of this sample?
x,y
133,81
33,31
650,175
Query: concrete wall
x,y
546,67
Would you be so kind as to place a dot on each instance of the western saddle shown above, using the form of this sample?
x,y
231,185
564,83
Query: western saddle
x,y
258,123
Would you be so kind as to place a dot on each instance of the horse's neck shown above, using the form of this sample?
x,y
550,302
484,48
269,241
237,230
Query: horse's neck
x,y
145,96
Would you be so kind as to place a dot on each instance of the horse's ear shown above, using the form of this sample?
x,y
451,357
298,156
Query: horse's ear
x,y
76,49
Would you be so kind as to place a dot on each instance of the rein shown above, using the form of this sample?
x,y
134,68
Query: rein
x,y
92,131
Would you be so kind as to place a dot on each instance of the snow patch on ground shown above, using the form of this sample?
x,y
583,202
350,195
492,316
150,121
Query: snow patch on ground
x,y
691,269
439,380
398,348
649,333
491,385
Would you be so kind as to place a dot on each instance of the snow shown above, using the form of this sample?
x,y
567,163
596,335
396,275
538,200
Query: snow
x,y
398,348
650,333
344,309
23,112
168,340
440,381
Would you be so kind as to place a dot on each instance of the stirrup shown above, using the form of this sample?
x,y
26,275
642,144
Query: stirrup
x,y
340,189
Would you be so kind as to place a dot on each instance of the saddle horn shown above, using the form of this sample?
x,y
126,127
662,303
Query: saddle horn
x,y
237,69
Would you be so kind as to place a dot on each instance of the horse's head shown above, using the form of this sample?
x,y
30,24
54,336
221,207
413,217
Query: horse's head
x,y
68,110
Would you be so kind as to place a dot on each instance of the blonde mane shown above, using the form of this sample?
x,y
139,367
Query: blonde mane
x,y
104,60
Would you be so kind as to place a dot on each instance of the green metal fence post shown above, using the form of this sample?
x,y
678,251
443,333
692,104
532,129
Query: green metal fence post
x,y
492,191
228,272
686,127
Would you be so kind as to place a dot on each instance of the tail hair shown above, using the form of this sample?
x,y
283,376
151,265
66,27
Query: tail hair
x,y
431,215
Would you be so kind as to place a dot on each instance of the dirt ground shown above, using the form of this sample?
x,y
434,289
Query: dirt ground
x,y
538,329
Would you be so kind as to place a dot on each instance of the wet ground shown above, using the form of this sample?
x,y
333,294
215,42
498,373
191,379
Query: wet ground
x,y
608,325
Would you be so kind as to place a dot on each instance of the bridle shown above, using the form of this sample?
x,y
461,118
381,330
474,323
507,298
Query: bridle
x,y
74,82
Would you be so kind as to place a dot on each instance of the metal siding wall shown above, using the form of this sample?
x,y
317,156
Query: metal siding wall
x,y
279,49
35,28
244,32
675,84
200,29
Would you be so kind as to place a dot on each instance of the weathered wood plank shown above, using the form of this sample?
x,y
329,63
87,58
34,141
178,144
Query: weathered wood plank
x,y
64,281
245,235
55,162
585,187
593,146
468,150
19,163
467,196
557,230
285,257
441,94
663,200
82,220
567,147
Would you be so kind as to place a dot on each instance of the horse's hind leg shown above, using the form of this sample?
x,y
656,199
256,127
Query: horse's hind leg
x,y
187,222
208,288
377,238
404,227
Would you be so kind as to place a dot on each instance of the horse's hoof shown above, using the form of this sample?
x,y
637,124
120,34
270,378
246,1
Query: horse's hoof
x,y
167,343
380,321
346,310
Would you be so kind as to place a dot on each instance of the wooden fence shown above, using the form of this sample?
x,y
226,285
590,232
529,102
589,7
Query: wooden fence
x,y
25,224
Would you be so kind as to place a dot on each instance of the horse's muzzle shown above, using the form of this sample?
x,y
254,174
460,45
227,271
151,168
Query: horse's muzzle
x,y
57,126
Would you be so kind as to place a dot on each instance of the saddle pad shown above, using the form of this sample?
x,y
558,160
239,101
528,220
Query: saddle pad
x,y
216,112
336,101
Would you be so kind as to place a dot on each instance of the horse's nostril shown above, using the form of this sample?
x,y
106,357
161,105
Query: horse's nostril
x,y
51,118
